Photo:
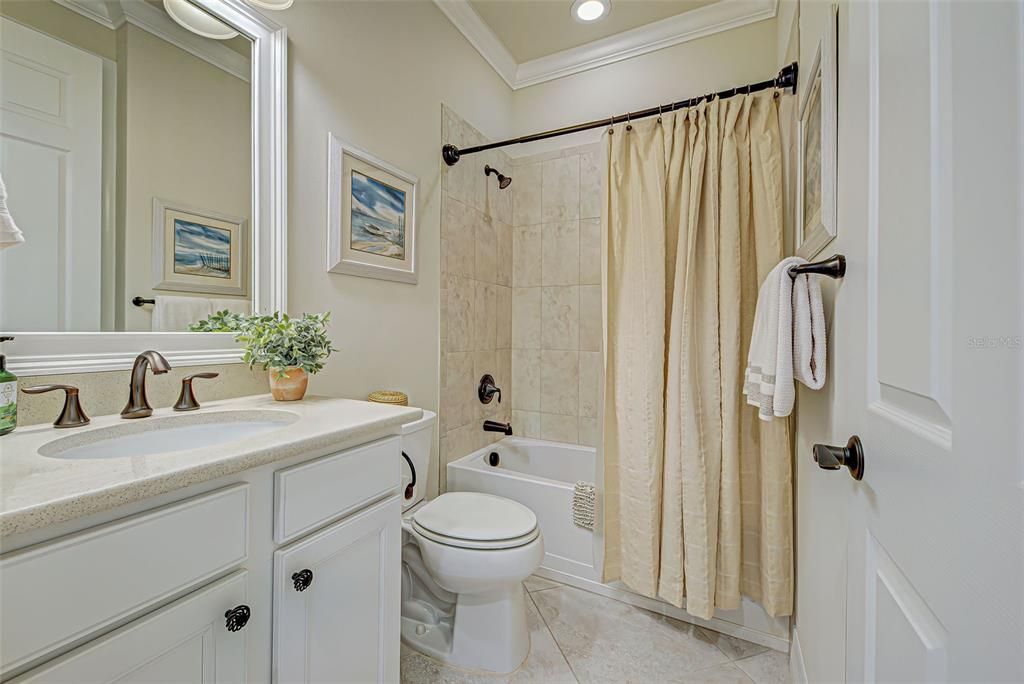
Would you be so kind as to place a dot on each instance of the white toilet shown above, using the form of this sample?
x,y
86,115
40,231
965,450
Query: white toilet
x,y
464,557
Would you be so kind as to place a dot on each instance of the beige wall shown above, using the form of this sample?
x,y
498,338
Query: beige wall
x,y
63,24
715,62
556,296
476,295
184,133
375,74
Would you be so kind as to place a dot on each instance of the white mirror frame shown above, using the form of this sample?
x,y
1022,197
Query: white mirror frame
x,y
69,352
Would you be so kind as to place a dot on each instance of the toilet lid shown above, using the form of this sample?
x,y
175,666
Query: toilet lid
x,y
476,517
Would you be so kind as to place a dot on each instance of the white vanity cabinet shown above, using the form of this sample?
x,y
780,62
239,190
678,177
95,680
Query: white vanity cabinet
x,y
187,641
336,600
206,584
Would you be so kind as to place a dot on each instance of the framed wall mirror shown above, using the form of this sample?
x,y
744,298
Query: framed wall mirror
x,y
142,146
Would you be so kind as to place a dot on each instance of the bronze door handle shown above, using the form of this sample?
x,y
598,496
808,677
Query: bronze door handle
x,y
187,398
72,414
835,457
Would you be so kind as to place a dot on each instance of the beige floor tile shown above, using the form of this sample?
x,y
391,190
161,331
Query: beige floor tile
x,y
770,667
544,664
719,674
608,641
535,583
731,646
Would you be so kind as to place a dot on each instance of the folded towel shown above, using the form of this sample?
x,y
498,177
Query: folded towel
x,y
583,498
232,304
788,341
9,233
175,314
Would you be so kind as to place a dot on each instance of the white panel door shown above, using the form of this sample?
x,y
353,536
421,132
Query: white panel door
x,y
336,601
930,372
188,642
51,103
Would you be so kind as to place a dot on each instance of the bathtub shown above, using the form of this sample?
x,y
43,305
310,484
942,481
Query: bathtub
x,y
540,475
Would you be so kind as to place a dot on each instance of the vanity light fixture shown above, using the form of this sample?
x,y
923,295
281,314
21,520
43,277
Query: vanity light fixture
x,y
206,25
197,21
587,11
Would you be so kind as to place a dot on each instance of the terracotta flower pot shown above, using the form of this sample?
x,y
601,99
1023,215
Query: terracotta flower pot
x,y
289,387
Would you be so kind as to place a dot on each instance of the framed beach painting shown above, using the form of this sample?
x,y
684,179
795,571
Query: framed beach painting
x,y
817,171
371,215
196,250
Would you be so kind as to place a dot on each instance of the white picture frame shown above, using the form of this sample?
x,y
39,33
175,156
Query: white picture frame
x,y
371,215
818,145
169,248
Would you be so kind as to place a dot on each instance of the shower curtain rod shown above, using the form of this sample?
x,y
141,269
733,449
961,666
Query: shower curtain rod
x,y
785,79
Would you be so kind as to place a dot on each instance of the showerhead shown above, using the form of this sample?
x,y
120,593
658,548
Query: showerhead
x,y
503,180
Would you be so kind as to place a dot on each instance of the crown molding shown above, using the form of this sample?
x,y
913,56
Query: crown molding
x,y
703,21
113,14
481,37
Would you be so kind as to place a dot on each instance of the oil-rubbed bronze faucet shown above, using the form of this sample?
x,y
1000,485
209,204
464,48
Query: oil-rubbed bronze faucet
x,y
138,405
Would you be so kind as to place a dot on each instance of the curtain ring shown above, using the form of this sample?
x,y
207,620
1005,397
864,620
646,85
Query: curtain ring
x,y
629,126
659,113
611,125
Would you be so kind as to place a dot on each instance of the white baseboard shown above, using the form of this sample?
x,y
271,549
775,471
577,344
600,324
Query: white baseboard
x,y
797,670
655,606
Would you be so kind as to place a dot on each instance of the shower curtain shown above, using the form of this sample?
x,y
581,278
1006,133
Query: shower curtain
x,y
697,490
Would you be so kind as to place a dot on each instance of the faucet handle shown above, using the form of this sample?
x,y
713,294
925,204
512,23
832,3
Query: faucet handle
x,y
187,398
72,414
487,389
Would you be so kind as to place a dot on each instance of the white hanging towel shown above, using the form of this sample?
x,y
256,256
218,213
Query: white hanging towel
x,y
175,314
788,342
232,304
9,233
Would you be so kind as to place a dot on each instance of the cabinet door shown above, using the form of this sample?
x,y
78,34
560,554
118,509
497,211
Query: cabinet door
x,y
336,600
187,641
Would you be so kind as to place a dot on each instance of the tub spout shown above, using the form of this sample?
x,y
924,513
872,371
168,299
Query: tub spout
x,y
495,426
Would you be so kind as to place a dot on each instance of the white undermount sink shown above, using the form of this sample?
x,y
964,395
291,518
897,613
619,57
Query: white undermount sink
x,y
165,434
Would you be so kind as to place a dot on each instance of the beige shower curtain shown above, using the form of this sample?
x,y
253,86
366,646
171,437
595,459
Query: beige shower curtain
x,y
697,490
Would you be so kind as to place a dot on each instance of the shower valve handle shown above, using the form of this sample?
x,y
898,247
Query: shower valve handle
x,y
487,389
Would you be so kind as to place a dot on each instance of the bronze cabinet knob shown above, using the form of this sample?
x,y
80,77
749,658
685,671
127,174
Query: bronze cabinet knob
x,y
72,414
187,398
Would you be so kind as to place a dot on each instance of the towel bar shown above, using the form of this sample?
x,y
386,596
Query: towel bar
x,y
139,301
833,267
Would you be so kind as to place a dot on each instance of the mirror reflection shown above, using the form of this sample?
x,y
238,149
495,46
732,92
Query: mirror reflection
x,y
125,152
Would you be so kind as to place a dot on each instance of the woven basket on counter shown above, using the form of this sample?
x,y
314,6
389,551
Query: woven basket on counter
x,y
389,397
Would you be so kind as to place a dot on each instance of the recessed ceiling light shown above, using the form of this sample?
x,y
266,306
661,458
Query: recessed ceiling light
x,y
586,11
197,21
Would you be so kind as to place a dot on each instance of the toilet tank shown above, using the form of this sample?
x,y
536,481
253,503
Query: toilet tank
x,y
417,440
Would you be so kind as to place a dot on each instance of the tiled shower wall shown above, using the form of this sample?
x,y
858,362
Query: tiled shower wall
x,y
476,294
556,295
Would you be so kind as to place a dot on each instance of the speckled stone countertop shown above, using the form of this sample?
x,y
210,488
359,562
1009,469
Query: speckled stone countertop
x,y
39,487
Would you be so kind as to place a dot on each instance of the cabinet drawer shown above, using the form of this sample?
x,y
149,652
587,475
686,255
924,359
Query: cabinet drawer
x,y
187,641
310,494
58,593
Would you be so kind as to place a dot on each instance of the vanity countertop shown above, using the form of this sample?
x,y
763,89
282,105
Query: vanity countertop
x,y
37,490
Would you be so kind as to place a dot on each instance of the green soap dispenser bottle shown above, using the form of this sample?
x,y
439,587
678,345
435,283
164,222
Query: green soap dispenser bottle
x,y
8,395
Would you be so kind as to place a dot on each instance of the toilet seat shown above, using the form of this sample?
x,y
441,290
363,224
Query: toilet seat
x,y
471,520
495,544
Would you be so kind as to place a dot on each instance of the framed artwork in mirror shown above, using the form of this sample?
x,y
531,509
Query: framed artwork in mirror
x,y
817,170
196,250
371,216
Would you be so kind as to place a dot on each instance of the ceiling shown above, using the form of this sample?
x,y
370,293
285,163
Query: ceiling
x,y
530,29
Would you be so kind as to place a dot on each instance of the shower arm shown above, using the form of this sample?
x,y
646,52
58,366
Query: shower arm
x,y
786,79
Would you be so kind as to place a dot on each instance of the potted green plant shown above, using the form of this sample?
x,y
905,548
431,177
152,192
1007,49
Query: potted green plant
x,y
289,349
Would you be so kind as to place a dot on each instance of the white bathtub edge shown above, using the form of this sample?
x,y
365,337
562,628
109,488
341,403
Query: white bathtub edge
x,y
724,626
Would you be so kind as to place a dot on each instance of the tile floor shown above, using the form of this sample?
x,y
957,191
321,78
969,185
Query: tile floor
x,y
577,636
